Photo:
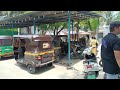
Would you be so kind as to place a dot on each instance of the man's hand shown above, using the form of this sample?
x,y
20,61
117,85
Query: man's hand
x,y
117,56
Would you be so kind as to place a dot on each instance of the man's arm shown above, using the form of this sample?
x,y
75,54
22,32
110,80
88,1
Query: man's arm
x,y
117,56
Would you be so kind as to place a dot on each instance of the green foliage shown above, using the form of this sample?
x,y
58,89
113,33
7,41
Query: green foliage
x,y
8,32
56,27
94,23
118,17
88,24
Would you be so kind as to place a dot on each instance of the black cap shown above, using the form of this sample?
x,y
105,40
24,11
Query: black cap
x,y
114,24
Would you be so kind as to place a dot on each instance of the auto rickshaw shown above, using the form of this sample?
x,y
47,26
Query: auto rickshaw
x,y
6,48
37,52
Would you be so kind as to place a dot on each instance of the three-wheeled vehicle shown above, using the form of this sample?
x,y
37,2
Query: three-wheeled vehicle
x,y
6,48
34,51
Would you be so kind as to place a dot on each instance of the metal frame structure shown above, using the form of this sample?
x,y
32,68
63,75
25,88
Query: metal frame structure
x,y
46,17
40,17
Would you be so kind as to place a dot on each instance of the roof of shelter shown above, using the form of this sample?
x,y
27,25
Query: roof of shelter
x,y
45,17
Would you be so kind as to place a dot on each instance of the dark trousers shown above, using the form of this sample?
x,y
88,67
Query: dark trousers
x,y
23,51
15,52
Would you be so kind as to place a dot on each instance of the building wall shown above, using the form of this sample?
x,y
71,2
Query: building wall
x,y
24,30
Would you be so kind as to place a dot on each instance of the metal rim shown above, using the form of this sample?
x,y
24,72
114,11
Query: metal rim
x,y
31,69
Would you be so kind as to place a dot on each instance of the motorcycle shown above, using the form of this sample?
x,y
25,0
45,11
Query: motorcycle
x,y
90,65
77,51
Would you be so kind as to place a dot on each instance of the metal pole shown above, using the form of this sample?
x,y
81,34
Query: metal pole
x,y
69,19
7,28
72,32
34,25
12,28
98,29
18,31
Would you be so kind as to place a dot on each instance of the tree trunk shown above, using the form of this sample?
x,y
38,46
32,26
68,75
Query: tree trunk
x,y
54,32
89,25
61,29
77,33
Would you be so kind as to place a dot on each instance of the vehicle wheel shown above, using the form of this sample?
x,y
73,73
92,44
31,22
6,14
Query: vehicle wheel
x,y
31,69
119,76
85,76
96,73
104,77
50,64
100,63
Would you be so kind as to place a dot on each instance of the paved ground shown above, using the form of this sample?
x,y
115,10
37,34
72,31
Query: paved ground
x,y
9,69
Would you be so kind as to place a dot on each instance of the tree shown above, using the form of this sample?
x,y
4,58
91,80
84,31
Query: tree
x,y
108,16
56,27
118,16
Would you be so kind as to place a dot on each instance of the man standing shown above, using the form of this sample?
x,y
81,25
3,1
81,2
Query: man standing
x,y
94,44
110,51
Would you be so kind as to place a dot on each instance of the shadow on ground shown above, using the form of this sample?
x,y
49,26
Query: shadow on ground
x,y
39,70
6,58
64,61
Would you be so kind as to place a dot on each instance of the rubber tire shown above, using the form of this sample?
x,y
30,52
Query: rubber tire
x,y
85,76
100,63
104,77
50,64
31,69
96,73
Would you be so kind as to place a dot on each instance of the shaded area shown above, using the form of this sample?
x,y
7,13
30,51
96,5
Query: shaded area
x,y
64,61
6,58
39,70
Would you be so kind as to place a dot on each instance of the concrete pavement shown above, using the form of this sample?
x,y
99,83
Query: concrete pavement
x,y
9,69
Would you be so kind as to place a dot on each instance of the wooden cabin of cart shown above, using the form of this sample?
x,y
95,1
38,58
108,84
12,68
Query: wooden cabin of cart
x,y
37,45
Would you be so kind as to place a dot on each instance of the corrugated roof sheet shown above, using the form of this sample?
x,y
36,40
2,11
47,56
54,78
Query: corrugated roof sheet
x,y
45,17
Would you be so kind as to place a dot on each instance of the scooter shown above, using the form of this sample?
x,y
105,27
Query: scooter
x,y
90,65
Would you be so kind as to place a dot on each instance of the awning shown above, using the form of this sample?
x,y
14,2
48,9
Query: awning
x,y
45,17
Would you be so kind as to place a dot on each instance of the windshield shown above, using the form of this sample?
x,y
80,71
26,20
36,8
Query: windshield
x,y
5,42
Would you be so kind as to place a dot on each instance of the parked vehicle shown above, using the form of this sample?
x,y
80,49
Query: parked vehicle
x,y
91,68
38,51
77,52
6,48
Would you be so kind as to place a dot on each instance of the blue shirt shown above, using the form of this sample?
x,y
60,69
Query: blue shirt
x,y
110,43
